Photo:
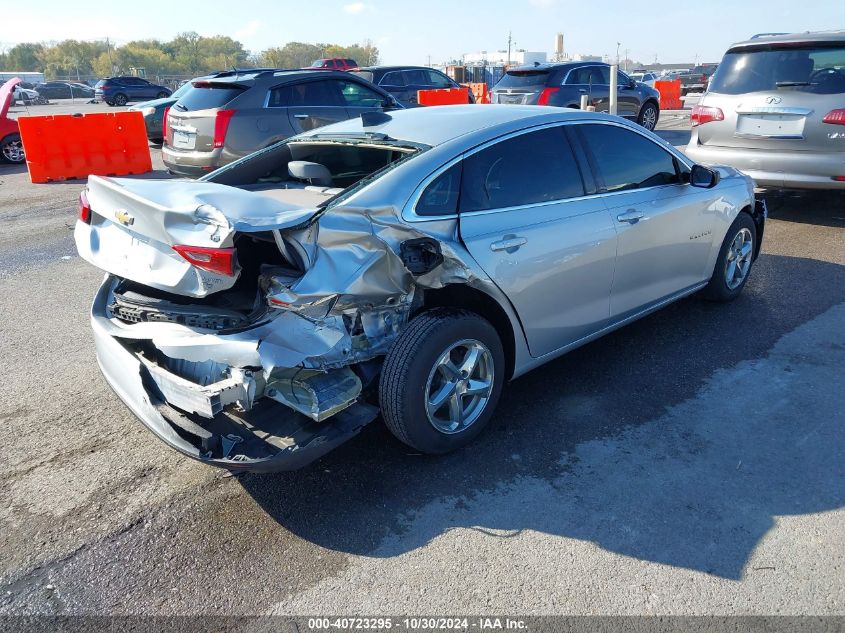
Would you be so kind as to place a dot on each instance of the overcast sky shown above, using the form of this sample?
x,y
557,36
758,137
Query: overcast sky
x,y
408,32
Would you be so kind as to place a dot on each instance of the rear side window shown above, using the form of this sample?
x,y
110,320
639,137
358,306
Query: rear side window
x,y
309,93
394,78
813,69
530,168
441,196
416,77
523,79
202,96
364,74
627,160
589,75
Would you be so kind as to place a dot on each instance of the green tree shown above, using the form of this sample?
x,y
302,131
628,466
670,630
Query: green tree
x,y
24,56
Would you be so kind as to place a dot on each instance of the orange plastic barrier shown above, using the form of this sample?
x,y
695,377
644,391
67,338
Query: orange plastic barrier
x,y
65,146
446,96
480,92
670,94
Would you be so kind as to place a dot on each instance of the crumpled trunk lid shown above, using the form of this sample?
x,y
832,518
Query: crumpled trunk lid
x,y
136,223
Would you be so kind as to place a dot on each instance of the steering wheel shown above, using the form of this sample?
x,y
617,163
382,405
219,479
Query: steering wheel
x,y
826,74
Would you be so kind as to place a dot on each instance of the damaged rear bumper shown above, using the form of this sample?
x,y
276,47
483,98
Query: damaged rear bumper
x,y
199,421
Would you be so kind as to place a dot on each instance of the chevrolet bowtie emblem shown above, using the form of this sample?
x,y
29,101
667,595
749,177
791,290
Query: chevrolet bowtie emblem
x,y
124,217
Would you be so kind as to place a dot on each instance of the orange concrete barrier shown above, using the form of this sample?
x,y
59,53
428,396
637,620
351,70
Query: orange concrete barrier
x,y
447,96
479,91
63,146
670,94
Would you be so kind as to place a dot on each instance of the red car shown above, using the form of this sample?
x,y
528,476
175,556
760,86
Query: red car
x,y
334,63
11,148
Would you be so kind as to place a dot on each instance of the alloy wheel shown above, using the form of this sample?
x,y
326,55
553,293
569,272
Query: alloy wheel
x,y
649,118
459,386
738,261
13,151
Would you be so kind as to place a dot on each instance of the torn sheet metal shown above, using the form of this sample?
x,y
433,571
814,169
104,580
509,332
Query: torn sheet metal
x,y
319,395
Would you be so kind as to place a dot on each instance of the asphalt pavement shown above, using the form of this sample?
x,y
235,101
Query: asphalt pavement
x,y
690,463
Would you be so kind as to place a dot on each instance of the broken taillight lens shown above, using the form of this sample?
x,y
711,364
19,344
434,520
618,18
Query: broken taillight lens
x,y
214,260
84,208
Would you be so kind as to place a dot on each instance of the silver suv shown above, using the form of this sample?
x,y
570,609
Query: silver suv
x,y
776,110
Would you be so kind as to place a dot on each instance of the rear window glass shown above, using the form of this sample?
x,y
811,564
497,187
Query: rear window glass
x,y
364,74
523,78
205,96
819,70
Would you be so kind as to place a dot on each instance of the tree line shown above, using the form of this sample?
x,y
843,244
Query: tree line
x,y
186,54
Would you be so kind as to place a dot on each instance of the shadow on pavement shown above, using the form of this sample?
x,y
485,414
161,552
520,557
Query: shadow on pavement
x,y
570,453
822,208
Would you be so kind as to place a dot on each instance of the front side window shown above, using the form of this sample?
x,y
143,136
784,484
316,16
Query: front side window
x,y
441,196
626,160
357,95
531,168
437,80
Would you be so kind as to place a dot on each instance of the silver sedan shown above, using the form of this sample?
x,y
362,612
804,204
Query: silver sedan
x,y
410,263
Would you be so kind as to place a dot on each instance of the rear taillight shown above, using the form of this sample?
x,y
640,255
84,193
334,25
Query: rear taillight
x,y
835,117
839,178
105,87
545,95
84,208
164,123
705,114
214,260
221,125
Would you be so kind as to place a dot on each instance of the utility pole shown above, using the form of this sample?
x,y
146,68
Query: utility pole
x,y
626,60
429,61
618,44
510,41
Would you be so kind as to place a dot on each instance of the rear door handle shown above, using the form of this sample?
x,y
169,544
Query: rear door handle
x,y
631,216
301,116
511,243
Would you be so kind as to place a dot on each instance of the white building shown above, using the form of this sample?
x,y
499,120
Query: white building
x,y
495,58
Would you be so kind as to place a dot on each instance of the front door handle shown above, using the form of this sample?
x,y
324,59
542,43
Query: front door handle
x,y
631,216
301,116
510,243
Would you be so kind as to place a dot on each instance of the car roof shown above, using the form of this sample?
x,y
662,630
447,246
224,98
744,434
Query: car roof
x,y
272,75
436,125
808,37
555,66
389,68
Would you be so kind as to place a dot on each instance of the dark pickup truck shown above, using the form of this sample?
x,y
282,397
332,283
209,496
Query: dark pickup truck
x,y
696,79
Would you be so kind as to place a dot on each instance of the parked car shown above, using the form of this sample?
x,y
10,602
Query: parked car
x,y
647,78
776,111
155,110
26,96
333,63
563,84
403,82
232,114
696,79
11,148
64,90
428,255
118,91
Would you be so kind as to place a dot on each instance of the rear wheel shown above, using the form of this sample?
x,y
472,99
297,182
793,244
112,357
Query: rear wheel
x,y
11,149
734,262
119,100
441,380
648,116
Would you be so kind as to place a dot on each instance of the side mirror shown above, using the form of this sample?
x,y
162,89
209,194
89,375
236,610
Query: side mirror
x,y
632,83
701,176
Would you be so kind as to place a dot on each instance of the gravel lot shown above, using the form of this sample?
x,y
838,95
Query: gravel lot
x,y
690,463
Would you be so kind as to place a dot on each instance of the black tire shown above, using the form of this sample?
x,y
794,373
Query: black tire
x,y
410,362
11,149
649,110
119,100
718,289
162,95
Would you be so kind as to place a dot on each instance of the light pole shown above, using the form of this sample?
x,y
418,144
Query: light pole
x,y
618,44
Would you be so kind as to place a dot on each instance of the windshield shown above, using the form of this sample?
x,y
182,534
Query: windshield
x,y
814,69
523,78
